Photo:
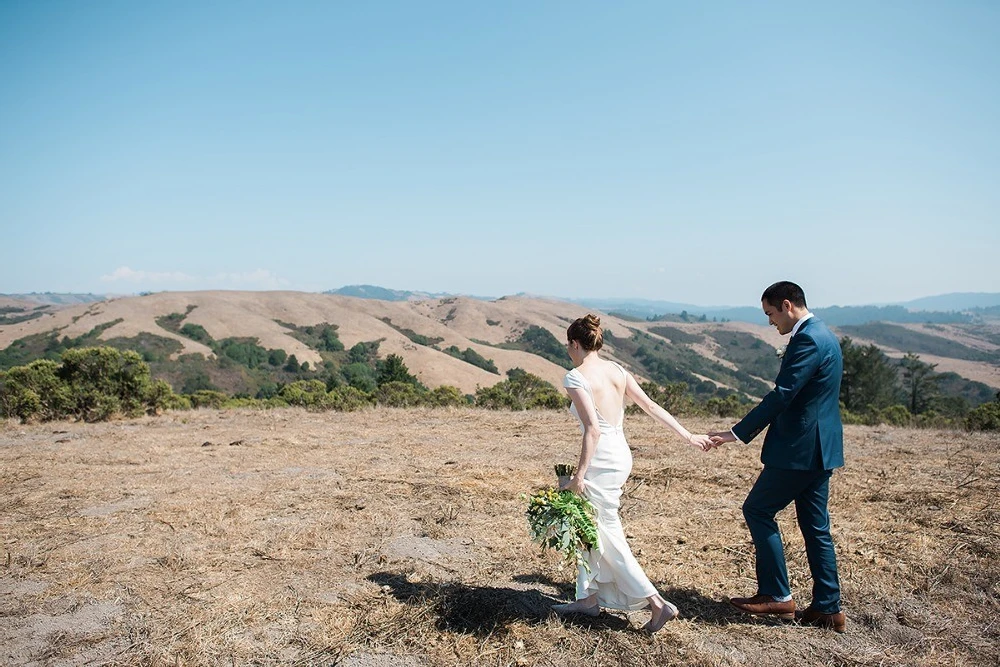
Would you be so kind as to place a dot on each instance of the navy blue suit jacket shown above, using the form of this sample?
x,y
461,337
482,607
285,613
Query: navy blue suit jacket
x,y
803,409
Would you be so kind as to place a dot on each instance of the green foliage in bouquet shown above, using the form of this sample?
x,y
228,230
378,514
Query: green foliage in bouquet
x,y
564,521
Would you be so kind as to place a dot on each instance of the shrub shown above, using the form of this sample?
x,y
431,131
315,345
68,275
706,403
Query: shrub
x,y
398,394
349,399
445,396
306,393
34,391
895,415
730,406
104,381
470,356
848,417
520,391
158,397
672,397
259,403
206,398
178,402
92,384
984,418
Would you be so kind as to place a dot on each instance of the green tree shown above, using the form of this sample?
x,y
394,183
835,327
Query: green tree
x,y
196,380
392,369
363,353
470,356
870,382
196,332
919,383
359,375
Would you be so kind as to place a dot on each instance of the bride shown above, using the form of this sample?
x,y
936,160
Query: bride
x,y
597,388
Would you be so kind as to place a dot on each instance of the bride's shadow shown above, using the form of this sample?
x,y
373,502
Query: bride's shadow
x,y
482,610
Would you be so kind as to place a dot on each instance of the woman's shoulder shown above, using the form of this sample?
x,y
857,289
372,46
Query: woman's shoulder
x,y
574,379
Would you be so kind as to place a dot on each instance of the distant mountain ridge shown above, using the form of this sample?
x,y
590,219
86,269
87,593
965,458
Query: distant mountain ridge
x,y
387,294
56,298
954,301
959,307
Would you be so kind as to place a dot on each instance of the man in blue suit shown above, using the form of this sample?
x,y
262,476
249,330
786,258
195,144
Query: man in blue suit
x,y
803,445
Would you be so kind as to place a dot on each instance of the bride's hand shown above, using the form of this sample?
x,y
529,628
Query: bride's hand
x,y
575,484
702,442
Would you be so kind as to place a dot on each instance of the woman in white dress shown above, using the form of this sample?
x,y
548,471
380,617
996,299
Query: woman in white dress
x,y
597,388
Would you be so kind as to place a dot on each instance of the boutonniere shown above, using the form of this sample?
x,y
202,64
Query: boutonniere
x,y
780,351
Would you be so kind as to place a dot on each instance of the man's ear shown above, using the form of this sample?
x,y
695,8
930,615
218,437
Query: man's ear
x,y
786,306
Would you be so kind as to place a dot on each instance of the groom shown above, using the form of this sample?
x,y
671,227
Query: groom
x,y
804,443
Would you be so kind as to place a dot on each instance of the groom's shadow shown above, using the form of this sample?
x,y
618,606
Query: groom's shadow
x,y
699,608
483,610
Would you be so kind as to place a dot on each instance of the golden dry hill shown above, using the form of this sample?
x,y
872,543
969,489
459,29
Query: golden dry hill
x,y
460,321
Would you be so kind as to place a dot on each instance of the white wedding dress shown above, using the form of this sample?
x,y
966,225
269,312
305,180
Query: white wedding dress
x,y
614,574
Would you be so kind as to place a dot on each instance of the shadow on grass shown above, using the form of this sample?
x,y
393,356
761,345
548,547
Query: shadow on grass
x,y
484,610
701,609
566,587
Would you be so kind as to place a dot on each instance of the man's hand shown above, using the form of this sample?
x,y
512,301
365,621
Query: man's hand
x,y
720,438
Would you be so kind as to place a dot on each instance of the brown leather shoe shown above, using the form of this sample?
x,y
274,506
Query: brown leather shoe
x,y
836,622
764,605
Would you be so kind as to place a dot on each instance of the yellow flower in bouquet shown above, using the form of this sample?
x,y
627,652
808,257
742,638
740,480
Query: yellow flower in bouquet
x,y
564,521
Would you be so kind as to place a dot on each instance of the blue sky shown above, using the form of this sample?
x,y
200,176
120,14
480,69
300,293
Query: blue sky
x,y
691,152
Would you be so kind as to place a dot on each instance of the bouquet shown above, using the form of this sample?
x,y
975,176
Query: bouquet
x,y
564,521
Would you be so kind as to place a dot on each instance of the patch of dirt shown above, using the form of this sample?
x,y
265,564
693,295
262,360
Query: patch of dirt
x,y
76,635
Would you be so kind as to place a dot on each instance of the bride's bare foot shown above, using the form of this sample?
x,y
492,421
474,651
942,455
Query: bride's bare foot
x,y
587,606
662,612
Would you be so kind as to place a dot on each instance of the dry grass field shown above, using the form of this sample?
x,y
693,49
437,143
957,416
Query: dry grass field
x,y
396,537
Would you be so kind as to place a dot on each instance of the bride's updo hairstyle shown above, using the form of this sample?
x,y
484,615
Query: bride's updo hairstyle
x,y
587,332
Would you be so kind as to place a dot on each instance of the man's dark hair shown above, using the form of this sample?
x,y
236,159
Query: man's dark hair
x,y
779,291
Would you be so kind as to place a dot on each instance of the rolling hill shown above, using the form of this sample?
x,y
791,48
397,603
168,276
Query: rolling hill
x,y
513,332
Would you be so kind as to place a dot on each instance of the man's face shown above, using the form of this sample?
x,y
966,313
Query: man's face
x,y
780,317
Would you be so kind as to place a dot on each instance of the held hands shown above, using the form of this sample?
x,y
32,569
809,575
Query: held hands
x,y
702,442
720,438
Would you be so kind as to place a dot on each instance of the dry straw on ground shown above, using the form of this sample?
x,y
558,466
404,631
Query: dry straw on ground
x,y
396,537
